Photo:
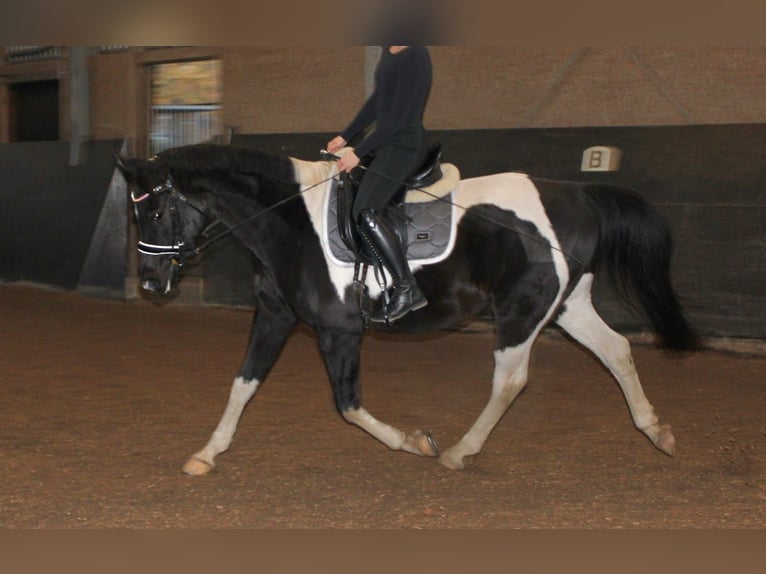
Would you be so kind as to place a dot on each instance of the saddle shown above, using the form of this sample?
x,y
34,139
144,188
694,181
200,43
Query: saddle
x,y
420,214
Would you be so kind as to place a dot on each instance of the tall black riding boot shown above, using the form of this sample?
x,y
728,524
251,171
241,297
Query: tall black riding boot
x,y
387,248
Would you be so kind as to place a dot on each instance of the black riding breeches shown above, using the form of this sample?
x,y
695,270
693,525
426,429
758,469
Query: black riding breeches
x,y
382,179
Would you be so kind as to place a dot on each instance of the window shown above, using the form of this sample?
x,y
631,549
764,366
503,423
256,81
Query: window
x,y
185,103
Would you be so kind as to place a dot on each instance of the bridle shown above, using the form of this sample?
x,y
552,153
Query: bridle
x,y
178,250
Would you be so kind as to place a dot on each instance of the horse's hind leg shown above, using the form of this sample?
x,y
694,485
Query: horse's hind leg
x,y
271,326
581,321
509,379
340,351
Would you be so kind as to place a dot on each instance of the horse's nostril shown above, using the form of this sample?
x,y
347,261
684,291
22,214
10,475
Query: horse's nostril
x,y
151,286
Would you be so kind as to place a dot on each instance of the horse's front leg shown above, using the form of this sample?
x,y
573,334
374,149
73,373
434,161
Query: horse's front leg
x,y
341,350
271,326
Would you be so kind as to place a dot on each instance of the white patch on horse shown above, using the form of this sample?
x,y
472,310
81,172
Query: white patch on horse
x,y
319,174
515,192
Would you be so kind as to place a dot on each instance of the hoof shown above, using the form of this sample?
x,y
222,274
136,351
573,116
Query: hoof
x,y
197,467
426,443
451,461
666,442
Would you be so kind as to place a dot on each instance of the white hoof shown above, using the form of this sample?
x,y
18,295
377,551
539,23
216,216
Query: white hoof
x,y
451,460
197,467
666,442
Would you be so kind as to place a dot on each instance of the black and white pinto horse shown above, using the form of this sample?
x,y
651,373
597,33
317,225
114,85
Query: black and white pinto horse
x,y
526,248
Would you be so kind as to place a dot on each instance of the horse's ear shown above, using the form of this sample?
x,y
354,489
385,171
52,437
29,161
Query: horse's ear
x,y
124,164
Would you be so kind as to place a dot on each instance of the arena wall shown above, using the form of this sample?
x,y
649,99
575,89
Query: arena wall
x,y
690,123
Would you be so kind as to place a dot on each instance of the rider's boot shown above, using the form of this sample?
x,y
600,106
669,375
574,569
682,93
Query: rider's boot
x,y
387,248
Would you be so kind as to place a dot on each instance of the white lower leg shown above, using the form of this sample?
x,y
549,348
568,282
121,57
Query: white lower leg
x,y
395,439
584,324
203,461
510,377
624,370
641,410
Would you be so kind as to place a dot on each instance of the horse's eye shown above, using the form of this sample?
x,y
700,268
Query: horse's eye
x,y
157,215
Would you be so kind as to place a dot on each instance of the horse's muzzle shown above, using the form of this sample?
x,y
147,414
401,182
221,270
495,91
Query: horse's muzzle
x,y
152,286
160,281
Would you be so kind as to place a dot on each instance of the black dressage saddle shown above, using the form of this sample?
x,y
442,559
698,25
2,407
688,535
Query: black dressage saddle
x,y
395,214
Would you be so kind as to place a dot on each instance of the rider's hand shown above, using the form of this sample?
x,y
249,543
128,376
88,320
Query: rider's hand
x,y
335,144
348,162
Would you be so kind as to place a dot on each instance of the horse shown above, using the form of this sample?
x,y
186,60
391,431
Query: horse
x,y
526,248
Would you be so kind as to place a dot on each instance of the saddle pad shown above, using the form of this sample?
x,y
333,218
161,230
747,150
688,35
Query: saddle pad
x,y
430,230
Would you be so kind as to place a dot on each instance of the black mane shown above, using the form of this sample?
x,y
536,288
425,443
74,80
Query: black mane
x,y
209,159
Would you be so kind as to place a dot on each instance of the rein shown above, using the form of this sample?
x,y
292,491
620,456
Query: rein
x,y
181,255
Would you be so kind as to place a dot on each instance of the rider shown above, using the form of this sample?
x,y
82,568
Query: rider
x,y
402,84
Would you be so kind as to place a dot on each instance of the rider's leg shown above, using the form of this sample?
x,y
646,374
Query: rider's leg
x,y
381,182
383,178
385,244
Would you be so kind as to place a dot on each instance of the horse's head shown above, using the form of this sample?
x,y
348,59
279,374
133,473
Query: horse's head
x,y
168,223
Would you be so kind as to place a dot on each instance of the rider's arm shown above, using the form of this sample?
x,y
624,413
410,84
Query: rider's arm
x,y
364,118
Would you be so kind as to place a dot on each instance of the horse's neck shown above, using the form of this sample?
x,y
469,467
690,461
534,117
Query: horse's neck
x,y
259,214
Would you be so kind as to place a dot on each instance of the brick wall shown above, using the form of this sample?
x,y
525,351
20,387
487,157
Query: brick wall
x,y
309,90
499,87
294,90
291,89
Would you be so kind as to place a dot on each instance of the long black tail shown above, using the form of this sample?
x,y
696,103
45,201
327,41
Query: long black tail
x,y
636,248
